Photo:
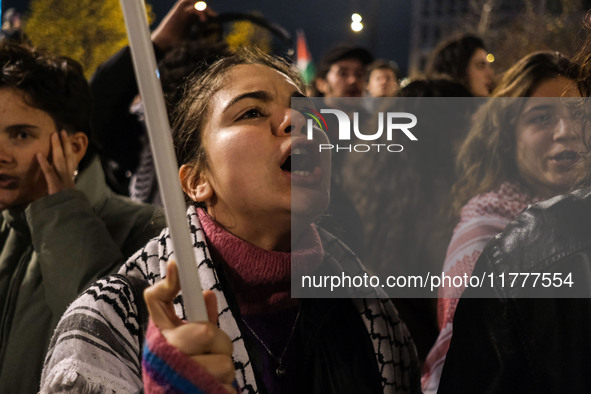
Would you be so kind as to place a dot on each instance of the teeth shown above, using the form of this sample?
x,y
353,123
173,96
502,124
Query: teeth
x,y
301,173
302,161
299,151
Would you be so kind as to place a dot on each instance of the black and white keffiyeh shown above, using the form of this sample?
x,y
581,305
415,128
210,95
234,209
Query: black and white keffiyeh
x,y
96,346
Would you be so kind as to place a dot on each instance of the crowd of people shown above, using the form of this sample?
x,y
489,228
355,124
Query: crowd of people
x,y
89,286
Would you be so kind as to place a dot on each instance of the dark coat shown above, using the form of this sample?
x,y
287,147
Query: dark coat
x,y
49,253
525,338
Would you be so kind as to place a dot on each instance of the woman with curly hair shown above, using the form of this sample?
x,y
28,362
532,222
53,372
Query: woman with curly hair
x,y
532,338
518,151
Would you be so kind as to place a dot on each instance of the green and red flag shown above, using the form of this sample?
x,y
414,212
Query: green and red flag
x,y
304,58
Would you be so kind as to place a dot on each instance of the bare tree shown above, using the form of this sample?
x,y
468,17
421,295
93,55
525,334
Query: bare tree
x,y
512,29
88,31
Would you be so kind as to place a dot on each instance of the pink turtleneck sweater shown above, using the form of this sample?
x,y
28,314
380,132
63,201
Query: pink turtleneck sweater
x,y
260,281
261,284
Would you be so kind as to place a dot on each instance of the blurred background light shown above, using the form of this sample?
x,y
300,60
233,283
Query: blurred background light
x,y
200,5
356,26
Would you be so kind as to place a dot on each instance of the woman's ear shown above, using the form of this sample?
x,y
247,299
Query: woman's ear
x,y
79,144
195,183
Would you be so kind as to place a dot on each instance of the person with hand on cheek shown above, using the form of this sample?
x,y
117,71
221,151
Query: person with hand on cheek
x,y
254,185
59,230
65,161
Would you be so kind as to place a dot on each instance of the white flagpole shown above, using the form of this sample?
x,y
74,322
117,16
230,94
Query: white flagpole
x,y
146,72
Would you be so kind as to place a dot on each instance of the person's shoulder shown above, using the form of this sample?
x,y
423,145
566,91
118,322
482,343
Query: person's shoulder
x,y
546,231
576,201
107,322
110,298
334,247
149,261
127,205
550,220
146,218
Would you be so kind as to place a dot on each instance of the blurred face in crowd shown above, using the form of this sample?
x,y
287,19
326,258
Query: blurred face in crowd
x,y
24,132
480,74
548,142
258,158
382,83
345,78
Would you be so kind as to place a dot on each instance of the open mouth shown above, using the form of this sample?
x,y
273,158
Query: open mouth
x,y
302,161
567,156
7,181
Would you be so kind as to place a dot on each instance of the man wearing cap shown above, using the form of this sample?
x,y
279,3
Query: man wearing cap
x,y
342,71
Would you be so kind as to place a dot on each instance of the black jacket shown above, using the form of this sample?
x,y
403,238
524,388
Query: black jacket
x,y
509,340
117,132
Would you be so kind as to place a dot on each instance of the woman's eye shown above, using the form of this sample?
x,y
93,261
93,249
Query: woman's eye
x,y
251,113
544,120
20,135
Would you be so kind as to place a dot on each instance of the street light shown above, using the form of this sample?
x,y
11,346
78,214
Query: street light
x,y
356,24
200,5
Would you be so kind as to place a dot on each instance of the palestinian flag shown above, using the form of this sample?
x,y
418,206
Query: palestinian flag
x,y
304,58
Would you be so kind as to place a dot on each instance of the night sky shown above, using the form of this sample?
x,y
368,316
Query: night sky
x,y
387,22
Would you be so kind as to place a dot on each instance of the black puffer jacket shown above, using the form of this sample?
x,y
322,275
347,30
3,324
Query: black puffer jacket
x,y
521,338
